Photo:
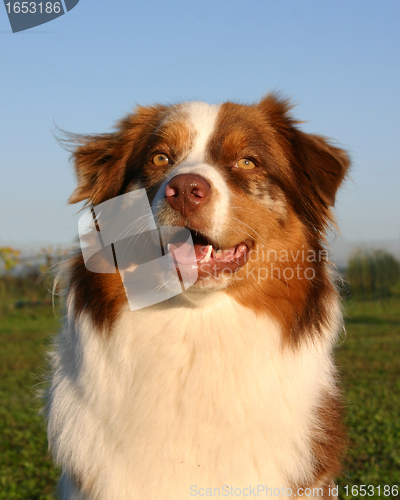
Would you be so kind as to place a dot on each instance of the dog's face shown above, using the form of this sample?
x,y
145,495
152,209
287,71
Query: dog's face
x,y
240,178
243,179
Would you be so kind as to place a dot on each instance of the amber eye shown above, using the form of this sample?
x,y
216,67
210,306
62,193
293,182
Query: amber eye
x,y
245,164
160,160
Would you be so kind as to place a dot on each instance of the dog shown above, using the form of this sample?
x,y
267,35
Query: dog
x,y
227,388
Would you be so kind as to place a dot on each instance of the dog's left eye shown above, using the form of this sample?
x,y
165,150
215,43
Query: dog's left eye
x,y
160,160
245,164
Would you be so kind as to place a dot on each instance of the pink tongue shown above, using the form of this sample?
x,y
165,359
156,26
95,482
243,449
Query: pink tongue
x,y
201,251
184,253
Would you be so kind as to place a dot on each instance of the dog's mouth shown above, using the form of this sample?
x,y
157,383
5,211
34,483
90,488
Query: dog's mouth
x,y
210,259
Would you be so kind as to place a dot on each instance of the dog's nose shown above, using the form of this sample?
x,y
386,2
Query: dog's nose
x,y
187,192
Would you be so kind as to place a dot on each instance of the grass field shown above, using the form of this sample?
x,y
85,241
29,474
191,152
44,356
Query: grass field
x,y
368,357
369,361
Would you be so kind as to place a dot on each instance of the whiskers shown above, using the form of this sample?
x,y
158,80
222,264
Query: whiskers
x,y
251,235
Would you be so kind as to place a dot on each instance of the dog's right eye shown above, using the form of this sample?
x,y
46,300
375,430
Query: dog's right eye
x,y
245,164
160,160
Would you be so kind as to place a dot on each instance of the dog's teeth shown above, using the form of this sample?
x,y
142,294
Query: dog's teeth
x,y
219,254
207,256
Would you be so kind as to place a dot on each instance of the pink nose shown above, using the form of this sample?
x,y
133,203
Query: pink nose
x,y
187,192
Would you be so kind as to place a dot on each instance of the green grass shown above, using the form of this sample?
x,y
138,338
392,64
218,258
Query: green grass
x,y
26,471
368,358
369,361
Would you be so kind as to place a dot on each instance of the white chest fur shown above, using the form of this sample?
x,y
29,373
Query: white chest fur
x,y
183,398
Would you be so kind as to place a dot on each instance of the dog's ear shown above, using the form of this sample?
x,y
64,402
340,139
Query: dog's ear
x,y
277,111
325,165
99,168
102,161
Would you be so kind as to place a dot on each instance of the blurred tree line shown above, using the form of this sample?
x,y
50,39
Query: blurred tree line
x,y
27,280
373,274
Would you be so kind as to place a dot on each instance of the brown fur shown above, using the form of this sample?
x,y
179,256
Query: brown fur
x,y
105,163
100,295
329,438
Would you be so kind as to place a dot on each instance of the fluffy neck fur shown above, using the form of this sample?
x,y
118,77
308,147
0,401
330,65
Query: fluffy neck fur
x,y
186,393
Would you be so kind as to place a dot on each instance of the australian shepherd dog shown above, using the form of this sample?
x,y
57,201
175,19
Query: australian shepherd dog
x,y
224,386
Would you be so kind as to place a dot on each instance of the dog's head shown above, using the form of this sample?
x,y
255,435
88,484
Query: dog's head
x,y
243,179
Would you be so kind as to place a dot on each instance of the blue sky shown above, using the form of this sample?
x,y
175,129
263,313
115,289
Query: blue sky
x,y
339,62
